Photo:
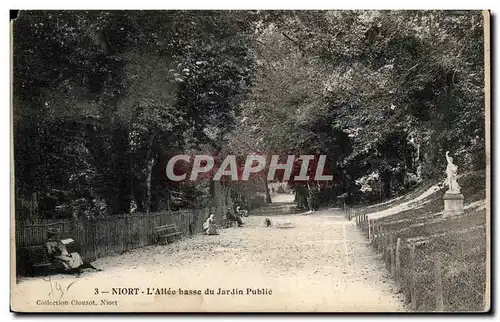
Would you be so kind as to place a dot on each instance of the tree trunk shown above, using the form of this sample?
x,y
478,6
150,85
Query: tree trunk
x,y
149,169
121,171
268,195
139,199
301,195
386,185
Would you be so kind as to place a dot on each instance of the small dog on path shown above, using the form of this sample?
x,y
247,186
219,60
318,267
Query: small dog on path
x,y
267,222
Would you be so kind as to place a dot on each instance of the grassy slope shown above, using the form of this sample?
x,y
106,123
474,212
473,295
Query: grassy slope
x,y
459,242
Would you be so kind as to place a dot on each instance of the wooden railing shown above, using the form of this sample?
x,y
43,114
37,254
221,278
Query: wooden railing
x,y
399,256
108,236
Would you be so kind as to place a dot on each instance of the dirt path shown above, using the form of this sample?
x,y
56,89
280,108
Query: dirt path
x,y
319,262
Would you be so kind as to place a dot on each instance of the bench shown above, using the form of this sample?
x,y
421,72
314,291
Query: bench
x,y
38,262
166,231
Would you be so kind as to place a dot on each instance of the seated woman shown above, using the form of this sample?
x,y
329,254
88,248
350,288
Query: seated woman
x,y
72,262
209,225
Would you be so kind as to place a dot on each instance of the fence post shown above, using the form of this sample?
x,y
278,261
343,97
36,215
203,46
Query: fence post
x,y
413,290
398,265
439,285
379,237
382,242
393,258
370,231
386,247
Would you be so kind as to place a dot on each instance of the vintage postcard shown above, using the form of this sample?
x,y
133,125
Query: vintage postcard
x,y
250,161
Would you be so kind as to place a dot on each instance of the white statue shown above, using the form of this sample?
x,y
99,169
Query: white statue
x,y
451,173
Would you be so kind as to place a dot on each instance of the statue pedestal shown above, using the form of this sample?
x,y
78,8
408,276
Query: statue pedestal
x,y
453,203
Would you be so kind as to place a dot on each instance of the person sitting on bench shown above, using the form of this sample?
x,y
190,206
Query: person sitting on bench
x,y
235,217
72,262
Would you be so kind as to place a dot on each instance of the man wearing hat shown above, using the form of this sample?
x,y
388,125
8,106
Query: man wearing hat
x,y
72,262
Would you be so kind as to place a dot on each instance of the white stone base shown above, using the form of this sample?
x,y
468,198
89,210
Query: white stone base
x,y
453,204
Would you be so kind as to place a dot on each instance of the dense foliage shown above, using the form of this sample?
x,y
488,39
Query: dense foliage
x,y
383,94
102,100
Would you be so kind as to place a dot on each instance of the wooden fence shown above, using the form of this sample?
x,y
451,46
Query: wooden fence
x,y
108,236
399,258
